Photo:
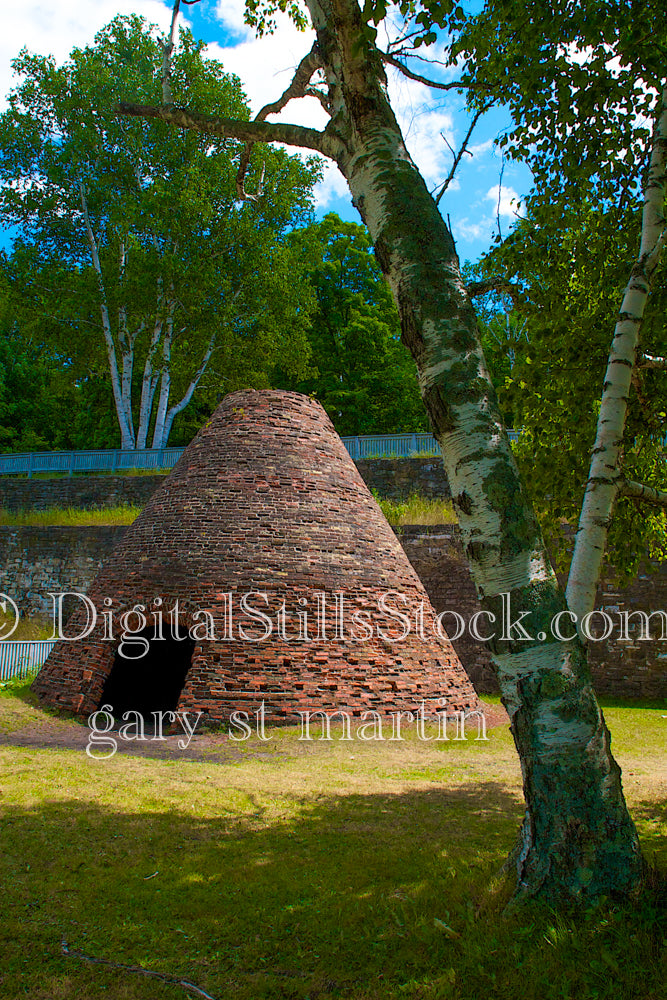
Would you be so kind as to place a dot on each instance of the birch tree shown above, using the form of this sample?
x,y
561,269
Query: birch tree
x,y
588,97
605,478
134,235
572,266
577,840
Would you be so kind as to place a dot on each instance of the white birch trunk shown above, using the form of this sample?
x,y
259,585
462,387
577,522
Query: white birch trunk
x,y
159,439
187,396
150,379
577,839
118,384
605,473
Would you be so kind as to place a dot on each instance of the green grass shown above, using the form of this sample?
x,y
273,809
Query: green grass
x,y
417,510
347,870
28,629
62,516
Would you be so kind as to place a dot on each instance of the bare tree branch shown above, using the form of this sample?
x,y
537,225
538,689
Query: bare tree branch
x,y
390,58
167,51
462,150
233,128
139,969
650,361
299,87
642,493
477,288
319,95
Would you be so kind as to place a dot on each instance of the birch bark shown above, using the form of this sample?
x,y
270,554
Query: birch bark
x,y
119,384
577,840
606,475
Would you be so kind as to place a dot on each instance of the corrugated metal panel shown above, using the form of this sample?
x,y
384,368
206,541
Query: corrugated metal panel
x,y
19,659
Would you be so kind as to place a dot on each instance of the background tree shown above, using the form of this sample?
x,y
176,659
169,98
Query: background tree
x,y
363,375
587,91
131,242
571,264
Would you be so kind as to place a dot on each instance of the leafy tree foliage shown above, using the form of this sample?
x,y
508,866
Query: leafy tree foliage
x,y
572,267
132,242
582,82
363,376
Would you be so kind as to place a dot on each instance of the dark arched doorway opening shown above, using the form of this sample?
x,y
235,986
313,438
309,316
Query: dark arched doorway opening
x,y
152,682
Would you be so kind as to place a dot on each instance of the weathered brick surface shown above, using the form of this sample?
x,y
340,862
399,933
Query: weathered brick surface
x,y
393,478
267,499
35,561
633,670
437,556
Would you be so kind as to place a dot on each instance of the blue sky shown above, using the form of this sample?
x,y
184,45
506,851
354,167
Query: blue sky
x,y
265,67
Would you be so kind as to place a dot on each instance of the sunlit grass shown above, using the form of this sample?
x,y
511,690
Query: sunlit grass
x,y
29,629
62,516
324,869
417,510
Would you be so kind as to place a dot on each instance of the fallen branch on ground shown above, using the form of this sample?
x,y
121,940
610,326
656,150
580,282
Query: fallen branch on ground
x,y
139,969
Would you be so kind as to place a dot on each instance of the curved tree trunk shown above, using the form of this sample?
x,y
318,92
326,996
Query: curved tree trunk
x,y
577,840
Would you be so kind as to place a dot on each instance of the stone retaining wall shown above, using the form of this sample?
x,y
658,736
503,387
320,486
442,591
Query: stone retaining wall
x,y
393,478
38,560
80,492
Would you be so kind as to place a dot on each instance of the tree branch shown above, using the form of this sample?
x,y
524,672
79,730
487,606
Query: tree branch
x,y
139,969
167,50
298,87
477,288
462,150
650,361
387,57
642,493
233,128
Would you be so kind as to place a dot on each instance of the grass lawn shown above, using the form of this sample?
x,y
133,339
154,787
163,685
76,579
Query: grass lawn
x,y
415,510
304,870
122,513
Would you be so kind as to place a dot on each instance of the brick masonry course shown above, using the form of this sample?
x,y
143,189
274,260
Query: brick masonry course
x,y
266,499
38,560
392,478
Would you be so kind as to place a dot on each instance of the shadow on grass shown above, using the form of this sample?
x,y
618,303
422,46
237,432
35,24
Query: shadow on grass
x,y
360,896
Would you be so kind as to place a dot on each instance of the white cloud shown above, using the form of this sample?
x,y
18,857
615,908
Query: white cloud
x,y
266,66
231,13
472,232
509,201
56,27
332,186
480,149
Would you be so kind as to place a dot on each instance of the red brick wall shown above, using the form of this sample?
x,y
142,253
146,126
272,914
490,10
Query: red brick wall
x,y
266,499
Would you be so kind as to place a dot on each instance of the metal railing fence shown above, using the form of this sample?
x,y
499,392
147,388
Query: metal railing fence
x,y
19,659
115,460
